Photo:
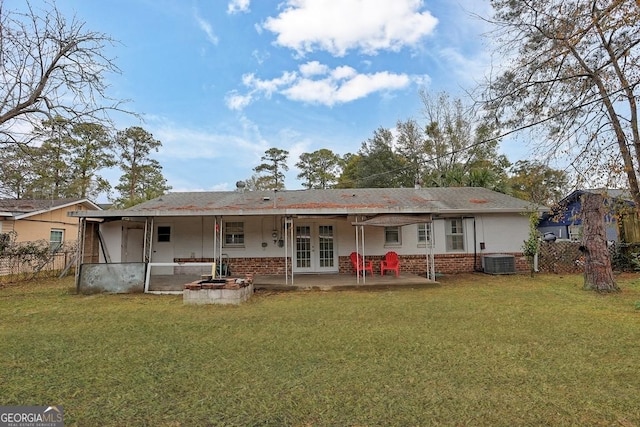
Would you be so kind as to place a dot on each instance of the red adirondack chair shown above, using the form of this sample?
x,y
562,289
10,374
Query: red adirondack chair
x,y
359,265
390,262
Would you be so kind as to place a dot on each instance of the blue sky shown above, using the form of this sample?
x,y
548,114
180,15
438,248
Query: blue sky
x,y
218,82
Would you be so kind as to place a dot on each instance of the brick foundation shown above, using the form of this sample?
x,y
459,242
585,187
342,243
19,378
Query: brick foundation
x,y
414,264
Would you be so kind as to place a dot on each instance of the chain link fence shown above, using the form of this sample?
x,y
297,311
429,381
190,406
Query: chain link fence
x,y
20,261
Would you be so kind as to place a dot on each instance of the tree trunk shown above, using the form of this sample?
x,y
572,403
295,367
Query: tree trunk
x,y
598,274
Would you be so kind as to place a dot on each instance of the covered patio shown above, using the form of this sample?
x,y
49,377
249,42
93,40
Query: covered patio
x,y
174,284
341,281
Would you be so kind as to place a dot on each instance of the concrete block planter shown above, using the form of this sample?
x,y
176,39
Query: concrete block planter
x,y
234,291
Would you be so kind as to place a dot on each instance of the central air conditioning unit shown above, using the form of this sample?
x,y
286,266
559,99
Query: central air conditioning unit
x,y
499,264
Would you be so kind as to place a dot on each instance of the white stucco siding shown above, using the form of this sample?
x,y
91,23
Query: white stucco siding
x,y
502,233
257,230
499,233
192,237
345,237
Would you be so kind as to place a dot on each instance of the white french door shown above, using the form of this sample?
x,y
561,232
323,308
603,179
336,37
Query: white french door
x,y
315,248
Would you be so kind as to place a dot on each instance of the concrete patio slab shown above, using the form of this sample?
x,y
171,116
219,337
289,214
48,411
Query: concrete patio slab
x,y
175,283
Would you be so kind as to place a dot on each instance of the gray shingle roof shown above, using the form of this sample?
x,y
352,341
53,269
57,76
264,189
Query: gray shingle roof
x,y
26,206
460,200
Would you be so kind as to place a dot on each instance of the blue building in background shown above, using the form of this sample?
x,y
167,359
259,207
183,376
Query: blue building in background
x,y
565,223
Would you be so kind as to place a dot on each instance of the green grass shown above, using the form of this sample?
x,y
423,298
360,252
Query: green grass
x,y
475,350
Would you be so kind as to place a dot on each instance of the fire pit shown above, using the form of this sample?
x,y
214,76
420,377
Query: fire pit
x,y
218,291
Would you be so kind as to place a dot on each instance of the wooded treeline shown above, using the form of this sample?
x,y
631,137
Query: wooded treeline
x,y
70,161
570,69
449,146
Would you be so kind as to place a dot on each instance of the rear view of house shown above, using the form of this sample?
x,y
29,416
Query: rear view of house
x,y
444,230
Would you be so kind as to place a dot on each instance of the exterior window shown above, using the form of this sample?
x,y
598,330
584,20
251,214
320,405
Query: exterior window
x,y
424,233
164,233
454,234
234,233
575,232
392,236
55,239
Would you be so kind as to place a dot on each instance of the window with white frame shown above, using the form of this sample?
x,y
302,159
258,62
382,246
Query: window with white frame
x,y
392,236
234,233
56,237
424,233
454,234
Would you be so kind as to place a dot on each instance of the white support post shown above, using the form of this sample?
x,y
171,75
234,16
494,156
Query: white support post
x,y
215,241
357,252
364,261
288,243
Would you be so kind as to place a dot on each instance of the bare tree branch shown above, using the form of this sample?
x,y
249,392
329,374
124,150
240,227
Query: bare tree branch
x,y
574,68
51,67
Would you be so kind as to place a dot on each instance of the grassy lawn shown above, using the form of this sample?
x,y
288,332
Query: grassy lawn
x,y
475,350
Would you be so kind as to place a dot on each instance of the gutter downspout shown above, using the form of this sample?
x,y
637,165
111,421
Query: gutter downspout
x,y
475,245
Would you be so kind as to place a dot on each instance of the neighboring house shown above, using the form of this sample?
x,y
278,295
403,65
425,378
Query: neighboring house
x,y
315,231
621,224
47,220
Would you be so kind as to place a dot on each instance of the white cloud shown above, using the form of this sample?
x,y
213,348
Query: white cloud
x,y
237,102
197,159
238,6
260,57
313,91
329,91
316,83
362,85
468,69
343,72
337,27
462,44
313,68
268,86
180,142
207,28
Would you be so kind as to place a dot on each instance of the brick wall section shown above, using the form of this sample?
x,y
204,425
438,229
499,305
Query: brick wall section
x,y
414,264
242,266
263,266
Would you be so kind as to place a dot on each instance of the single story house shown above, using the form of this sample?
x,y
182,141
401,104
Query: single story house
x,y
621,224
30,220
444,230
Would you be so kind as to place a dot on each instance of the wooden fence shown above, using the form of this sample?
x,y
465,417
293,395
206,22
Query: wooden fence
x,y
560,257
